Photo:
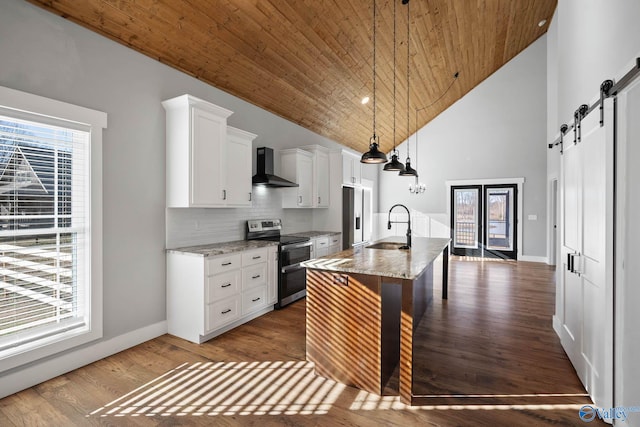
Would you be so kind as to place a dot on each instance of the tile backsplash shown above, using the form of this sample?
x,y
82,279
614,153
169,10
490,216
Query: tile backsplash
x,y
197,226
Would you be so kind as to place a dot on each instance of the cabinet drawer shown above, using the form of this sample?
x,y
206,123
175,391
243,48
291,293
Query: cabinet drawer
x,y
254,276
223,285
254,257
322,243
223,312
334,240
223,263
254,299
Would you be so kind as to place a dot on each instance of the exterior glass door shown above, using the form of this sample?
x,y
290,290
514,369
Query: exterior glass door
x,y
483,221
466,218
499,214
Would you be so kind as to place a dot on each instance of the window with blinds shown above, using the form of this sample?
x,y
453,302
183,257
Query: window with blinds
x,y
44,218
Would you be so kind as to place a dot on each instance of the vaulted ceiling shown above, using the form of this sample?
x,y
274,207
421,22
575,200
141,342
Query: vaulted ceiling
x,y
311,62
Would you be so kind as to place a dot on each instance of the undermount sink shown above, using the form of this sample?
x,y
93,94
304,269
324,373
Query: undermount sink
x,y
388,245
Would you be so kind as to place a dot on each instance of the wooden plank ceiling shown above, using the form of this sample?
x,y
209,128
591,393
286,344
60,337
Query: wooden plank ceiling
x,y
310,61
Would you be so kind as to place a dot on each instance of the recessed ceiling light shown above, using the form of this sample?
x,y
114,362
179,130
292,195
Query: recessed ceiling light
x,y
541,23
365,100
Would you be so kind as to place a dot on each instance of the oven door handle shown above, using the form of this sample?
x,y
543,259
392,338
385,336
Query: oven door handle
x,y
296,246
292,267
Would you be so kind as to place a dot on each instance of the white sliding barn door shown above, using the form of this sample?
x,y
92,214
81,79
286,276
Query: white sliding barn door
x,y
586,278
627,344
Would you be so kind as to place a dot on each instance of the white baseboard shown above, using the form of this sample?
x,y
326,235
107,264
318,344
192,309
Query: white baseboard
x,y
529,258
21,379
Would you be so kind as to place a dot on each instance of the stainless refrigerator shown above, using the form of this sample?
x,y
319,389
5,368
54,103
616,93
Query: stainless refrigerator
x,y
357,213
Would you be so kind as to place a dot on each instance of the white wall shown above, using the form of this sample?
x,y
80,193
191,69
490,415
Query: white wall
x,y
49,56
497,130
595,40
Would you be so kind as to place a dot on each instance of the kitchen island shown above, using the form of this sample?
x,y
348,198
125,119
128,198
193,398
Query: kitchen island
x,y
363,306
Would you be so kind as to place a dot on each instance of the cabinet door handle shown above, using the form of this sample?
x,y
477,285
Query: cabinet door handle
x,y
255,299
226,286
228,310
249,196
224,264
318,199
257,257
300,199
224,194
255,277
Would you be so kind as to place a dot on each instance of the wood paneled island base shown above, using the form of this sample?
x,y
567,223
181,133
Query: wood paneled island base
x,y
360,327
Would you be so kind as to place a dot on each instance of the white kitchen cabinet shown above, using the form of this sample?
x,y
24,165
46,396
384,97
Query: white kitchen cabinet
x,y
272,272
325,245
335,243
297,165
196,142
238,167
208,162
351,169
321,174
207,296
321,246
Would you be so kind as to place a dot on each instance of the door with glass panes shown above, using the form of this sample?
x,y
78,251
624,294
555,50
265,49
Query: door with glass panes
x,y
483,221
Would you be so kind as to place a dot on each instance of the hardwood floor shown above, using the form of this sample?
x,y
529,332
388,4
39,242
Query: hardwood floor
x,y
490,358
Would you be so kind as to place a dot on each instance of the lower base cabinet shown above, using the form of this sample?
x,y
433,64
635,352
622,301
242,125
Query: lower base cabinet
x,y
207,296
325,245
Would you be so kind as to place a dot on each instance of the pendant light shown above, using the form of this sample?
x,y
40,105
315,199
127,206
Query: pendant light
x,y
374,155
394,165
408,170
417,187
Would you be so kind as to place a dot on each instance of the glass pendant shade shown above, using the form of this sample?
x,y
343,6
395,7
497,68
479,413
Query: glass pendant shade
x,y
408,170
373,155
394,165
417,188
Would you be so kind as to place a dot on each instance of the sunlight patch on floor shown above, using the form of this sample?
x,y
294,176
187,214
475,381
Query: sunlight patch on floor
x,y
232,388
365,401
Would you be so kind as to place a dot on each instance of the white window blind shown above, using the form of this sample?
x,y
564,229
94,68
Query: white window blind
x,y
44,221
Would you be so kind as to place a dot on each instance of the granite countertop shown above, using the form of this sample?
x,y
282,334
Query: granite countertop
x,y
403,264
314,234
214,249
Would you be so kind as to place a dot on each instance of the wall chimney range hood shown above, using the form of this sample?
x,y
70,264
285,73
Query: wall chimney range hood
x,y
264,169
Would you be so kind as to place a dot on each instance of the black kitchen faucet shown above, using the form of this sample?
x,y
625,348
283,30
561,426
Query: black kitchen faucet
x,y
408,222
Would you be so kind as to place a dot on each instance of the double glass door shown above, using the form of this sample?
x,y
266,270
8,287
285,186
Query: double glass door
x,y
483,220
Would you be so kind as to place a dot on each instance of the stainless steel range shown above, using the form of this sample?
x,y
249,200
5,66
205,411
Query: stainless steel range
x,y
292,250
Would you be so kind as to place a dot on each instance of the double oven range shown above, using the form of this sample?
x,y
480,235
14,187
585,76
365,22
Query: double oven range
x,y
292,250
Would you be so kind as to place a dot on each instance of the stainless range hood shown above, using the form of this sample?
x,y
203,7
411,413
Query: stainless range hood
x,y
264,169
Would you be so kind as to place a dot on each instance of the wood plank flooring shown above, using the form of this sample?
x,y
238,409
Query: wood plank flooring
x,y
490,358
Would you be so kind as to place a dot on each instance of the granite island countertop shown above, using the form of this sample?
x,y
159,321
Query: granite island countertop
x,y
399,263
223,248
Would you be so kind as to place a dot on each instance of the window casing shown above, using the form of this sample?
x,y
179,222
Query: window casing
x,y
50,231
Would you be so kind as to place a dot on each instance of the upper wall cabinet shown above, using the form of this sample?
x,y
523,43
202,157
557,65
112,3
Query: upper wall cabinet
x,y
297,165
208,165
238,165
320,185
351,169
